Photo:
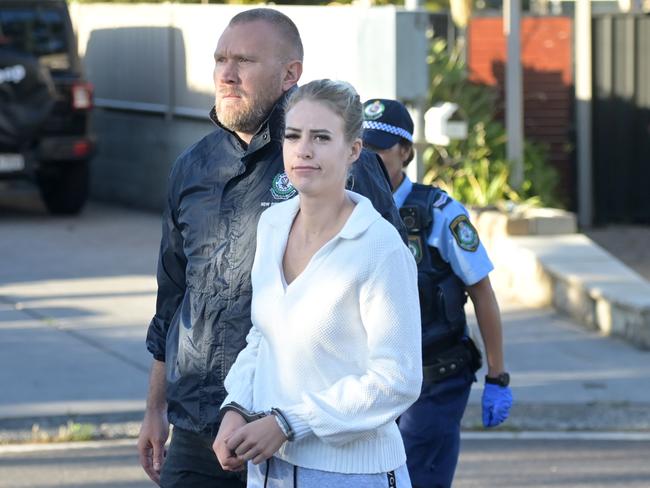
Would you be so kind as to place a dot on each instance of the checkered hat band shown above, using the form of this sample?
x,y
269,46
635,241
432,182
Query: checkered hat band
x,y
391,129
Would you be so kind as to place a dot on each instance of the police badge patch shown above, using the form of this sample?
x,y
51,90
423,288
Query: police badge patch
x,y
374,110
281,187
415,246
464,233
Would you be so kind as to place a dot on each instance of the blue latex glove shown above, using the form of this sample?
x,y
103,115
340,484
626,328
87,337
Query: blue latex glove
x,y
497,401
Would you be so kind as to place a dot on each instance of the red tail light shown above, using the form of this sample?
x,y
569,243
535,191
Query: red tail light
x,y
81,148
82,96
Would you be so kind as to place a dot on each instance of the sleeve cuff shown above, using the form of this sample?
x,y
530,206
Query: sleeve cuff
x,y
156,339
158,355
477,275
297,416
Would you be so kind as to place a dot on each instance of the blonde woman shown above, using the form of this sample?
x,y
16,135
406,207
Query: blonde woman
x,y
334,354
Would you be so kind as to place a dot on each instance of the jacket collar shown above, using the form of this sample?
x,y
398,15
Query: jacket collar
x,y
363,215
271,129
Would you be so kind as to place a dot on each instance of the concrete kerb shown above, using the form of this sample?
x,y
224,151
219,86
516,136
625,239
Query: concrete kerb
x,y
541,261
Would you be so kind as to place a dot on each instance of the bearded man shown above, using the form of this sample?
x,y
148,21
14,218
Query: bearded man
x,y
217,190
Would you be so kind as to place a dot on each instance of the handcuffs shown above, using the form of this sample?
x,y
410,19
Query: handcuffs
x,y
249,417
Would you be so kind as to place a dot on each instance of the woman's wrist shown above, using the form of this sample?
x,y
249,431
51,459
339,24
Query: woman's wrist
x,y
283,423
297,416
281,427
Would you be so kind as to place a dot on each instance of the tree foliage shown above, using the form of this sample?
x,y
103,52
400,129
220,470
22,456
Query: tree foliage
x,y
476,170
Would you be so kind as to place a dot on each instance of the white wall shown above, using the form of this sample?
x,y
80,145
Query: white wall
x,y
162,53
151,65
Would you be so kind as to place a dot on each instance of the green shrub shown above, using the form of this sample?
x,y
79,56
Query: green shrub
x,y
476,171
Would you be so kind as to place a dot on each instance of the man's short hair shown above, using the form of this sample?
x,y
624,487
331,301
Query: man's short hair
x,y
285,26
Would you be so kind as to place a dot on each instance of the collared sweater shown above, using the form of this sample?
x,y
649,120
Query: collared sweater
x,y
338,349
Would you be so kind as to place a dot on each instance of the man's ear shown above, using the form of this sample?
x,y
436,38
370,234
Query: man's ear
x,y
292,74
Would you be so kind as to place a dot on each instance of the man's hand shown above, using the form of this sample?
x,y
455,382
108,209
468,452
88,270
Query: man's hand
x,y
257,441
227,458
497,401
151,443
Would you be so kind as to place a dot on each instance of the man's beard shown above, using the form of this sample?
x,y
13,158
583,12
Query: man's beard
x,y
246,118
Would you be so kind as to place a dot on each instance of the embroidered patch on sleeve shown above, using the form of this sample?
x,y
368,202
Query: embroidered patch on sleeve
x,y
464,233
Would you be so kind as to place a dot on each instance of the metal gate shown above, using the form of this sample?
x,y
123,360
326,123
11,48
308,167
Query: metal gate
x,y
621,118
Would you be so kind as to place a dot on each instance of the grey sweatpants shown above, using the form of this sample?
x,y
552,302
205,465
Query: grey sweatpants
x,y
284,475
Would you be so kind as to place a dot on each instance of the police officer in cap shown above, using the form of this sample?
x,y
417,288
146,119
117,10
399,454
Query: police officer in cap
x,y
452,263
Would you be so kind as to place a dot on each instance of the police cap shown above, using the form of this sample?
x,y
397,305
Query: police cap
x,y
385,122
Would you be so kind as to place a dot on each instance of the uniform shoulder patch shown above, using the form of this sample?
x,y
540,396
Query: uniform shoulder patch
x,y
464,233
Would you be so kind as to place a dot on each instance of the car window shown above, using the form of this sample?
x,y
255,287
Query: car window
x,y
40,32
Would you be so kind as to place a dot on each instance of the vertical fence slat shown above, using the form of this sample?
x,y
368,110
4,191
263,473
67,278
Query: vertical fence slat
x,y
642,123
621,146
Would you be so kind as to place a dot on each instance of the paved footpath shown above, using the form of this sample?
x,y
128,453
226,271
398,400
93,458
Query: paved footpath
x,y
76,295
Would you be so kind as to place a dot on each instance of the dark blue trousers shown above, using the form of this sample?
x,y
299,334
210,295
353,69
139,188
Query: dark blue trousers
x,y
191,463
431,430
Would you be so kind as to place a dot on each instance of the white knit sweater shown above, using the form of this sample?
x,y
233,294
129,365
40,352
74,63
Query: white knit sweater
x,y
338,350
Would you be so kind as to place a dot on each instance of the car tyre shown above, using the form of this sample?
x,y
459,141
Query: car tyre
x,y
64,187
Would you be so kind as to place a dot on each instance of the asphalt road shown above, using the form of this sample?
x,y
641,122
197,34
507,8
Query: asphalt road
x,y
484,463
563,463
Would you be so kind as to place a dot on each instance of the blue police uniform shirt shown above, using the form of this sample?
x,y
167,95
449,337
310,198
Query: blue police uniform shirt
x,y
470,266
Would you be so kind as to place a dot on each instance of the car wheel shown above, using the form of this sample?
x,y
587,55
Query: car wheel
x,y
64,187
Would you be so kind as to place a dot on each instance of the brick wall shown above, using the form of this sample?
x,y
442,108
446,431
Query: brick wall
x,y
546,54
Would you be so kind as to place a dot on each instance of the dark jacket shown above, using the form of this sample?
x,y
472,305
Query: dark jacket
x,y
217,190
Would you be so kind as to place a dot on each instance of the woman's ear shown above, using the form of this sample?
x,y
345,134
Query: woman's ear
x,y
355,152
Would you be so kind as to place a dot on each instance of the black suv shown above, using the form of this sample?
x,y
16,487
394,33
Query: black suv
x,y
45,103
